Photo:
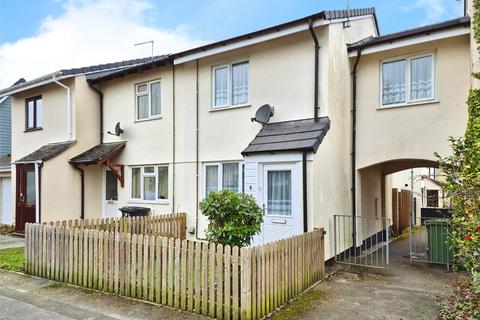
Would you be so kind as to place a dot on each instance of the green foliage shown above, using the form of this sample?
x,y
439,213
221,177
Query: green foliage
x,y
464,303
462,184
12,259
234,218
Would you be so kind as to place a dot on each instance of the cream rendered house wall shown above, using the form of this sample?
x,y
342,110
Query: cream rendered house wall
x,y
280,74
60,182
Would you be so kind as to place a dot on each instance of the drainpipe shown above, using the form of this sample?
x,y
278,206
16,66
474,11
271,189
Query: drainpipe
x,y
173,138
317,52
69,108
196,151
82,192
354,151
305,196
37,191
100,98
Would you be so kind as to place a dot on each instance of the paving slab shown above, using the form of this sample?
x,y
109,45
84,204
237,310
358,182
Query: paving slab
x,y
7,242
27,297
403,292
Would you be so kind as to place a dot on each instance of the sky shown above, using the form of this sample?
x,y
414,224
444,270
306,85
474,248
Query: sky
x,y
38,37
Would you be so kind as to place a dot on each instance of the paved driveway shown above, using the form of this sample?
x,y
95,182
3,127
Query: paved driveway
x,y
24,297
7,242
405,292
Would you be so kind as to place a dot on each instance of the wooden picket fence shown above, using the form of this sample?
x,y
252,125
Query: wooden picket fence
x,y
210,279
172,225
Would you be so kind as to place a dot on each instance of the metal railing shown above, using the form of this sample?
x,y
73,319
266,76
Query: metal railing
x,y
429,240
361,240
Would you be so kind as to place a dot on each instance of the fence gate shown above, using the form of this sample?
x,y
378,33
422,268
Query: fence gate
x,y
429,239
361,241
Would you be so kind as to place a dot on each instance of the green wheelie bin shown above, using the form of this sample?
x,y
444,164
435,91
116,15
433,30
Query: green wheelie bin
x,y
439,249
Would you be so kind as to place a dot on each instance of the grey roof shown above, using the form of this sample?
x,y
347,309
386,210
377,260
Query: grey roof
x,y
424,30
66,73
326,14
46,152
99,153
296,135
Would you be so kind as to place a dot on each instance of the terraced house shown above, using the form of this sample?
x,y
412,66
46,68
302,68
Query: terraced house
x,y
267,113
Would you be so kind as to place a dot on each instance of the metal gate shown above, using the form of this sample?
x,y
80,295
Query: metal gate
x,y
361,240
429,240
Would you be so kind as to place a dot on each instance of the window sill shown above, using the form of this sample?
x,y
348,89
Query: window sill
x,y
33,129
409,104
212,109
149,119
138,201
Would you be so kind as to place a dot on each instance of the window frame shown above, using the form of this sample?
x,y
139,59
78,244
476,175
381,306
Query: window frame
x,y
229,67
148,94
153,174
35,114
219,166
408,80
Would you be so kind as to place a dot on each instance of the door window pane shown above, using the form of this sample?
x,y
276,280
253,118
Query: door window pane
x,y
155,98
111,190
135,183
279,193
230,176
142,105
211,179
421,78
240,83
221,86
149,188
30,196
162,182
393,82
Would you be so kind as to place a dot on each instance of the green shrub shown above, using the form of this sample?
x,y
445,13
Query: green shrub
x,y
234,218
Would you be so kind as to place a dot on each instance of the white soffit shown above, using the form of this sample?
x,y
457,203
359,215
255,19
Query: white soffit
x,y
413,40
261,38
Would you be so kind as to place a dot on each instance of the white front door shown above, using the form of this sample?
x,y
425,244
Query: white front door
x,y
6,201
282,196
110,199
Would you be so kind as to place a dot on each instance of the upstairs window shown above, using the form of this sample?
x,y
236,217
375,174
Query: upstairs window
x,y
407,80
147,97
33,113
230,85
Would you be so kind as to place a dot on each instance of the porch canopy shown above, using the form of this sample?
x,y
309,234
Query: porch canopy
x,y
45,152
103,154
295,135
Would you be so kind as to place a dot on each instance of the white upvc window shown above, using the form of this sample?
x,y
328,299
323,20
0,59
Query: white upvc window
x,y
224,175
148,100
407,80
230,85
149,183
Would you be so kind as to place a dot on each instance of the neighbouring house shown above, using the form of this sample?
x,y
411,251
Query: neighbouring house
x,y
54,117
411,89
6,210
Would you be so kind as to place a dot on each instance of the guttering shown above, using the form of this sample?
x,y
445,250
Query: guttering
x,y
82,190
317,51
100,97
354,149
69,108
305,195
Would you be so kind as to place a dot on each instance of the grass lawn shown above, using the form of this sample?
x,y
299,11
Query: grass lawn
x,y
12,259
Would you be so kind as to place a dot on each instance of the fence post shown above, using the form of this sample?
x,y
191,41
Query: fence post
x,y
245,280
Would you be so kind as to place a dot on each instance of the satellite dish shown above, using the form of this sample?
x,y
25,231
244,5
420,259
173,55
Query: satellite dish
x,y
118,130
263,114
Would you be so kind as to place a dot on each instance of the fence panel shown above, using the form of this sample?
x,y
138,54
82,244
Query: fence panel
x,y
168,225
221,282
